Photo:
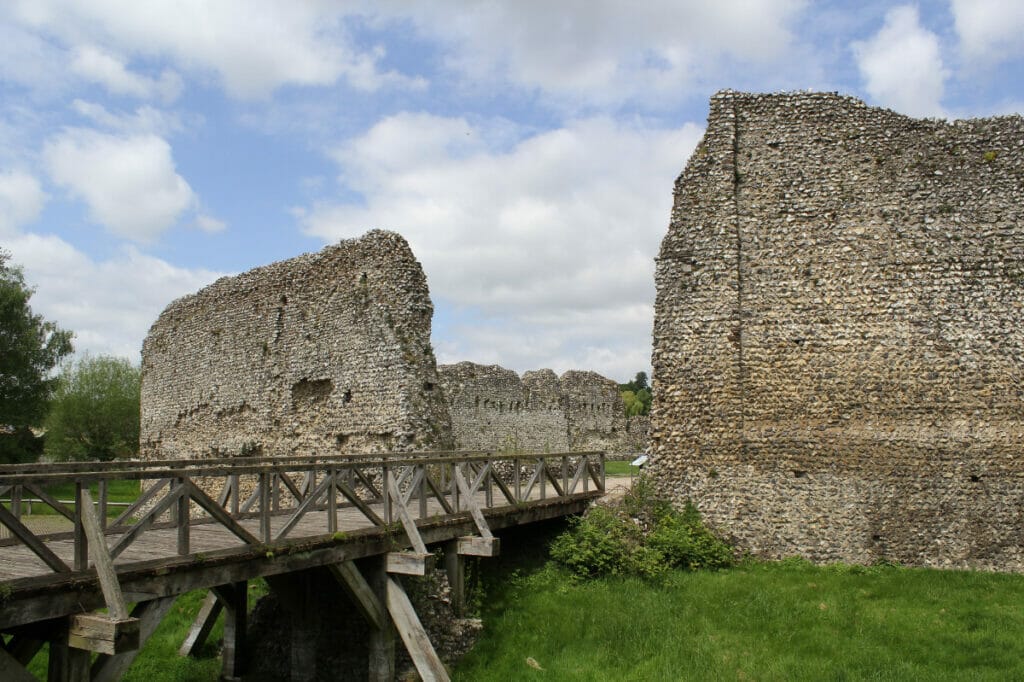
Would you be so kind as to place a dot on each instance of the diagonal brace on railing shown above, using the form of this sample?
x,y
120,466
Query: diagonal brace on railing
x,y
474,509
408,524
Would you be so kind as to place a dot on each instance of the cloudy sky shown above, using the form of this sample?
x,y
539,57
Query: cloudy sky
x,y
526,149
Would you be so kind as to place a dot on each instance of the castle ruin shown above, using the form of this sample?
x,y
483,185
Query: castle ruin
x,y
326,353
839,333
492,408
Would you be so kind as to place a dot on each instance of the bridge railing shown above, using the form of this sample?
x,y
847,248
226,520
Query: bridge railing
x,y
267,500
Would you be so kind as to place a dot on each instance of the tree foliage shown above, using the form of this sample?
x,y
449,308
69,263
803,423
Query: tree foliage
x,y
95,411
636,395
30,348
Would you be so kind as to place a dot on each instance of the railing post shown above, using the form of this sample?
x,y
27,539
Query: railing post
x,y
264,484
275,490
602,473
102,511
488,490
235,492
455,488
585,463
332,501
565,474
543,471
81,542
385,480
183,520
516,478
423,490
16,493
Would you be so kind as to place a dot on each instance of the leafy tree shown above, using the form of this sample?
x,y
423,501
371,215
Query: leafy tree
x,y
95,411
30,348
640,382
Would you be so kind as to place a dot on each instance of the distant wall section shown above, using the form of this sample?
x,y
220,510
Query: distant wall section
x,y
492,408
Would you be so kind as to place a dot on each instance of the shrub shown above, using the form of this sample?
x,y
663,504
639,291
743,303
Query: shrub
x,y
643,536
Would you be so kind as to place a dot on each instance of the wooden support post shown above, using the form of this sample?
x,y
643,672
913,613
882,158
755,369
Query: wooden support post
x,y
382,639
102,512
149,613
116,606
417,643
348,576
233,652
12,669
67,664
295,591
455,567
332,501
201,626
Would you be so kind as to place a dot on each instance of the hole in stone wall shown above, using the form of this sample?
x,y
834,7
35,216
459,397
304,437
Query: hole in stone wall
x,y
341,439
799,473
427,386
975,478
876,538
798,341
284,299
311,390
346,397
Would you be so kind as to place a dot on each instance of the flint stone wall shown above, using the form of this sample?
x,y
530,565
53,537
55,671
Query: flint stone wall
x,y
327,353
492,408
838,333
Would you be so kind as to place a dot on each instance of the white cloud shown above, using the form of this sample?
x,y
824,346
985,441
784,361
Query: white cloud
x,y
552,237
128,181
603,51
989,30
145,119
90,298
253,46
21,200
902,65
210,224
101,67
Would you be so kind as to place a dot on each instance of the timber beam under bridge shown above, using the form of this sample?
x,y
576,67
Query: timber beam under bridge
x,y
99,580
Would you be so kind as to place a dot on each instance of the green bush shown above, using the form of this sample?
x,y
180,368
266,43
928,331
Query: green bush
x,y
643,536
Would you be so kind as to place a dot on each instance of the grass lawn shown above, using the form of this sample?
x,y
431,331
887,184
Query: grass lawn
x,y
619,468
779,621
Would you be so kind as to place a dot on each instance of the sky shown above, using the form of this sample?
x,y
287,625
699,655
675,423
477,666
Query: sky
x,y
526,149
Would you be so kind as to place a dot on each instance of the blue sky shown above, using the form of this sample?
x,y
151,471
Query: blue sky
x,y
527,150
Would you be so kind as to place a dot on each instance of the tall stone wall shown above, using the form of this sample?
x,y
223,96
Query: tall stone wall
x,y
839,331
327,353
492,408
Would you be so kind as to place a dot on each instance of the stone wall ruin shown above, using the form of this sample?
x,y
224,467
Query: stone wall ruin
x,y
492,408
839,333
326,353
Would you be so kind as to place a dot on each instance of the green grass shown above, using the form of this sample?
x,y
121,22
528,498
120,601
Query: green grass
x,y
619,468
781,621
159,660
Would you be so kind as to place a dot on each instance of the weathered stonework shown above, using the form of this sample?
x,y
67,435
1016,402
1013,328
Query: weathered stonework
x,y
492,408
325,353
839,331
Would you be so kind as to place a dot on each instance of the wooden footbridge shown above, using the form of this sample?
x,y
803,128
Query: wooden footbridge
x,y
96,589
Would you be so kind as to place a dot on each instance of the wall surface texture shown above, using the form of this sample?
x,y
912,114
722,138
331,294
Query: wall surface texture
x,y
492,408
839,332
325,353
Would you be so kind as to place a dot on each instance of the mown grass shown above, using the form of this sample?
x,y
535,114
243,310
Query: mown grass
x,y
615,468
773,621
